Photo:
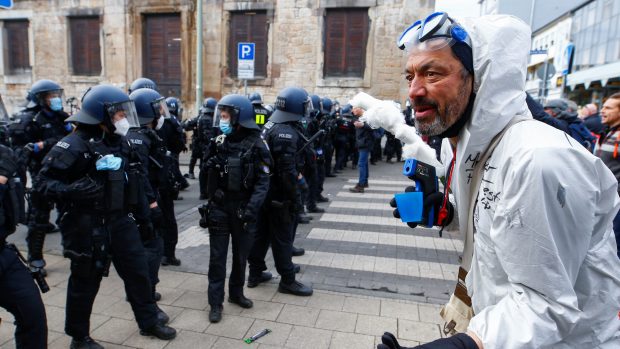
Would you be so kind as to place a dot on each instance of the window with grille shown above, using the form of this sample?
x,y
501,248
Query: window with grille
x,y
85,45
346,36
248,26
16,46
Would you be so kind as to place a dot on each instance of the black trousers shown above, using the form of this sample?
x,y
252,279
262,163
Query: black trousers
x,y
224,225
170,231
329,154
274,228
130,262
153,249
38,224
340,147
20,296
312,178
196,155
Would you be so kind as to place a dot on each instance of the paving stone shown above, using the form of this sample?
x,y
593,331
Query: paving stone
x,y
297,315
263,310
361,306
430,313
278,336
264,292
402,342
351,340
399,310
144,342
375,325
289,299
418,331
326,301
305,337
55,318
188,339
115,331
192,320
231,326
336,320
195,282
169,295
192,300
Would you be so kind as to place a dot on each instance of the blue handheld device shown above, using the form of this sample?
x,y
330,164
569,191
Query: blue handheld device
x,y
411,204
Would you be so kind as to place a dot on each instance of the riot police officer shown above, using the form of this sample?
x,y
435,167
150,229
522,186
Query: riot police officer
x,y
200,139
142,83
238,184
18,293
46,128
151,109
205,133
262,114
327,120
344,128
172,133
278,214
86,170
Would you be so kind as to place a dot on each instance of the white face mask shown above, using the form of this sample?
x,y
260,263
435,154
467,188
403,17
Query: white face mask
x,y
160,123
122,127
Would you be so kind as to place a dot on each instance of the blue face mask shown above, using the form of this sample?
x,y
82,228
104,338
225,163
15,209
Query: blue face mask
x,y
56,104
225,127
109,163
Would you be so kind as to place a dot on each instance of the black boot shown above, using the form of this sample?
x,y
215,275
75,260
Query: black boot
x,y
215,315
315,209
85,343
162,317
160,331
253,281
241,301
295,288
298,251
170,261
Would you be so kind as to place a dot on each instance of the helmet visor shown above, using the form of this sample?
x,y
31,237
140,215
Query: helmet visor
x,y
127,109
437,31
308,108
44,98
225,113
160,108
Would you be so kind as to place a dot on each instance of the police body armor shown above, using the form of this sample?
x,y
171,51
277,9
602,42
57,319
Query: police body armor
x,y
283,141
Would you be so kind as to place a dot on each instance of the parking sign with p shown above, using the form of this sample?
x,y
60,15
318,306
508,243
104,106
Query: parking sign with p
x,y
245,60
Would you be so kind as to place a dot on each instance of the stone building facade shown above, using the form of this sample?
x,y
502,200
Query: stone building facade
x,y
59,36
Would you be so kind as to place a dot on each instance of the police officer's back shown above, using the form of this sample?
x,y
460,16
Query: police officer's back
x,y
238,184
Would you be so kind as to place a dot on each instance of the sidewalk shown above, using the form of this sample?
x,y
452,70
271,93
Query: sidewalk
x,y
324,320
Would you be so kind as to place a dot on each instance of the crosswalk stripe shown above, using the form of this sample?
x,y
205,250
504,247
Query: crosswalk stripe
x,y
347,194
192,237
384,181
395,189
395,266
400,240
361,219
360,205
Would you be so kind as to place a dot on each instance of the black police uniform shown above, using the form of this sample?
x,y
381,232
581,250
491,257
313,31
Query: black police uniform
x,y
328,125
173,143
314,160
278,213
240,169
262,114
96,226
151,152
205,134
18,293
47,127
344,130
191,125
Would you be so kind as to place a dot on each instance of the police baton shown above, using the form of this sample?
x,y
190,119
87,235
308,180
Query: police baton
x,y
309,141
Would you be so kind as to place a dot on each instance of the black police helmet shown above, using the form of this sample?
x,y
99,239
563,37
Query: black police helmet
x,y
150,105
326,105
100,103
346,110
256,98
208,105
174,104
316,104
240,109
292,103
40,88
142,83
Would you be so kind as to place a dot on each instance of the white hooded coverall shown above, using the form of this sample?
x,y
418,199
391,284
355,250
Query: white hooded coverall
x,y
545,272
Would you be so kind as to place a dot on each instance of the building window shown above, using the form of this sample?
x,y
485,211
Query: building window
x,y
85,45
346,35
16,44
248,26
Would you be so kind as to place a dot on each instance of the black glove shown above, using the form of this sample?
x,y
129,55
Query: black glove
x,y
147,231
432,200
157,216
248,217
458,341
84,189
204,215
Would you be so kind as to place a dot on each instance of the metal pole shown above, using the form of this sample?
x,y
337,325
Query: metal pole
x,y
245,87
544,90
198,55
532,14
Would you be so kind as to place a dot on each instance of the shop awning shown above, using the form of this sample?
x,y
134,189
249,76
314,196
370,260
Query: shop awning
x,y
600,73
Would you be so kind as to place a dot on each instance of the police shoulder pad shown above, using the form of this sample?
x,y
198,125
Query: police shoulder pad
x,y
63,144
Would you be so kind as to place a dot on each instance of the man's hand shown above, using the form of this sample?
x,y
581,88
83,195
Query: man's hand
x,y
358,124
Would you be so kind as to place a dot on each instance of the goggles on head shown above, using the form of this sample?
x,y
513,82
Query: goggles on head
x,y
435,32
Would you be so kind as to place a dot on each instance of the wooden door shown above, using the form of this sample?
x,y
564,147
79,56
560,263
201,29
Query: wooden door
x,y
161,58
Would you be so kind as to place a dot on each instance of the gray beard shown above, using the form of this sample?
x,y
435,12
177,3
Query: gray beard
x,y
453,111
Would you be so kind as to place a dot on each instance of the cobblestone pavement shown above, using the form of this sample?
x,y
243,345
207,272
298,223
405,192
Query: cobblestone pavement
x,y
370,272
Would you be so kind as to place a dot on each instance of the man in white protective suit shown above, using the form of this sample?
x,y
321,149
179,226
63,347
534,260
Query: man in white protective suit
x,y
541,267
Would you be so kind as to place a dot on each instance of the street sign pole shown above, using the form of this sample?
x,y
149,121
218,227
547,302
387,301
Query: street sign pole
x,y
245,63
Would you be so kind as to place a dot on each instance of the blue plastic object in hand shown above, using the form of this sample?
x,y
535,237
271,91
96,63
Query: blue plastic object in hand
x,y
411,204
